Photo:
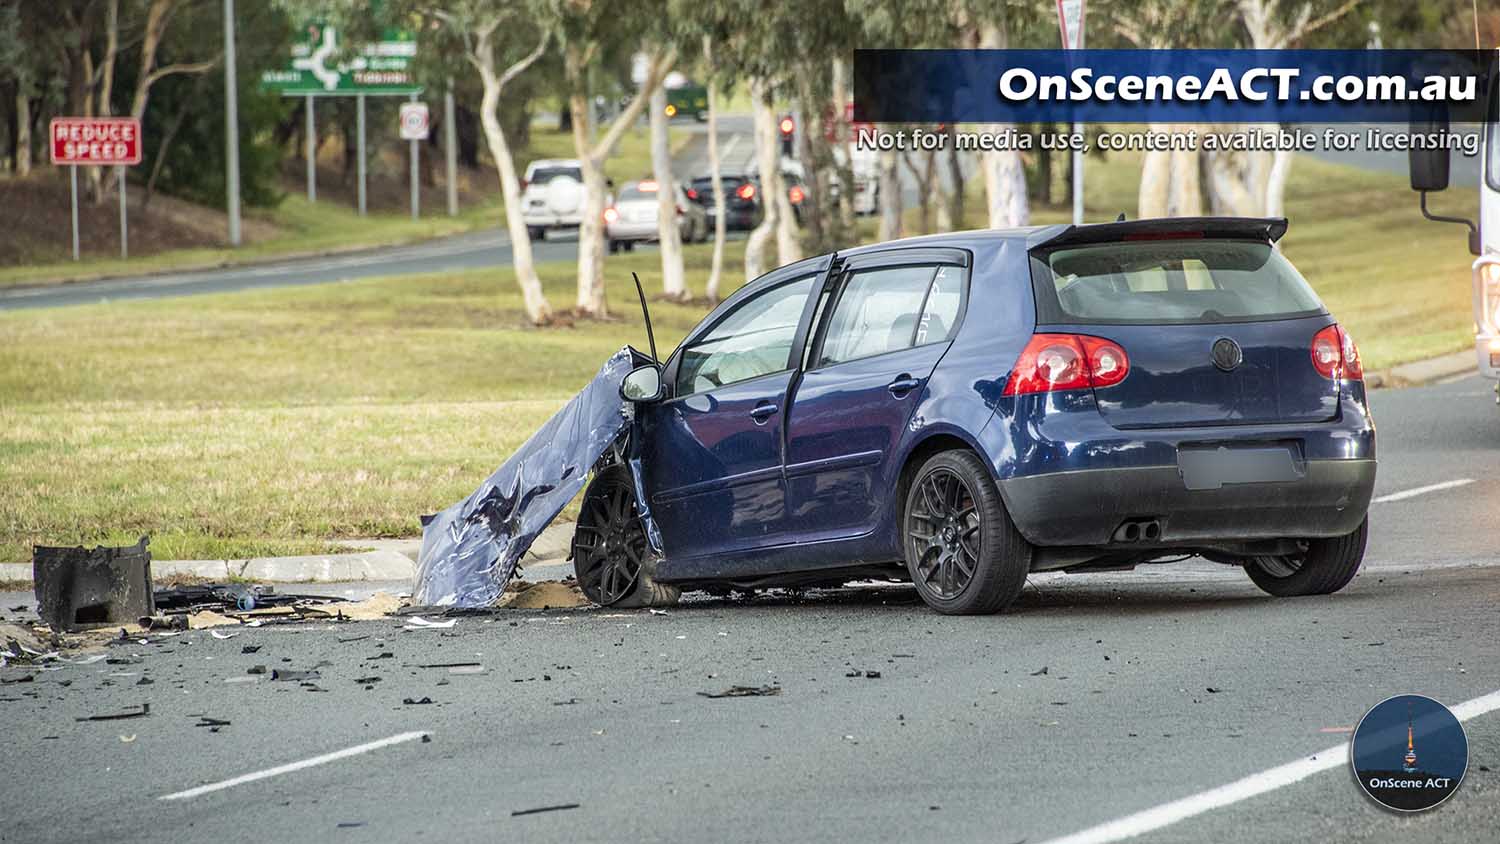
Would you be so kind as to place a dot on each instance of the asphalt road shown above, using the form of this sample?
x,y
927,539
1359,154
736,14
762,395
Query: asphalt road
x,y
1158,685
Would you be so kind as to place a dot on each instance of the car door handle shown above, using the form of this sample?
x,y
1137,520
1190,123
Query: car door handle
x,y
903,384
762,412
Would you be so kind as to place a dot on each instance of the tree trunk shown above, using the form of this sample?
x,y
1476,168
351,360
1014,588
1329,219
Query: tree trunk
x,y
673,284
1185,194
538,310
845,140
1156,178
591,156
1281,170
890,196
765,154
956,183
22,139
773,191
716,265
1004,173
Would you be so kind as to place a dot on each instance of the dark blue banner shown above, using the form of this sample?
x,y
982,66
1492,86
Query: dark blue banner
x,y
1171,86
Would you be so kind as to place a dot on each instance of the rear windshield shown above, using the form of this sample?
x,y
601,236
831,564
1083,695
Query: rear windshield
x,y
635,191
543,175
1169,281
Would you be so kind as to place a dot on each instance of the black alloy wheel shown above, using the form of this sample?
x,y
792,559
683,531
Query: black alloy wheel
x,y
609,545
943,531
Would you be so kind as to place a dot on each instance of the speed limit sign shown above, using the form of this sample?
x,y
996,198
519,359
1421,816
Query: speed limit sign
x,y
413,121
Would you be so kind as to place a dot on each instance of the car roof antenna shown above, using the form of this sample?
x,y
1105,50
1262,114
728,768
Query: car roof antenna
x,y
646,312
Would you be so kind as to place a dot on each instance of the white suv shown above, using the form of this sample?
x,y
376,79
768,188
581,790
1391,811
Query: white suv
x,y
552,196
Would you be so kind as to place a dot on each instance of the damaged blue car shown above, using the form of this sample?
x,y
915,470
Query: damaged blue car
x,y
961,410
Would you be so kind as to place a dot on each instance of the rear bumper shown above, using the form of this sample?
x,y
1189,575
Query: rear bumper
x,y
1084,507
633,230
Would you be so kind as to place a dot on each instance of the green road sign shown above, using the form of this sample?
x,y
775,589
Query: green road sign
x,y
321,65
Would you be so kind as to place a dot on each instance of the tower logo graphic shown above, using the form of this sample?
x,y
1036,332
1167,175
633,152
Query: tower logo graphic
x,y
1409,753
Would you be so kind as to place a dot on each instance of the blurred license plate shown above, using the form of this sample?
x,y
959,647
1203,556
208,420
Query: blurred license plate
x,y
1212,468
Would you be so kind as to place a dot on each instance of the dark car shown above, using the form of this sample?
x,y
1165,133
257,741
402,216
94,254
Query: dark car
x,y
741,200
964,409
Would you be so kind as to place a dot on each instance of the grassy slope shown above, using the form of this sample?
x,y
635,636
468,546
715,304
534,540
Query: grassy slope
x,y
329,226
271,421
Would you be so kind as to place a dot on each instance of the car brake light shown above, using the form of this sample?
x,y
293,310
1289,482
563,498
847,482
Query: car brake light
x,y
746,191
796,194
1164,236
1334,354
787,126
610,215
692,194
1067,362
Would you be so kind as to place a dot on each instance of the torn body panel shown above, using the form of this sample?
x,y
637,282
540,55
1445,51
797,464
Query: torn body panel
x,y
470,550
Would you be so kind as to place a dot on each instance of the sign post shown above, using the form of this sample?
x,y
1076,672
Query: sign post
x,y
231,128
414,129
311,131
96,141
1070,22
380,68
450,140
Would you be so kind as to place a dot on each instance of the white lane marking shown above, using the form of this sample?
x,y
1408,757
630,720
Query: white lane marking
x,y
1256,784
294,766
1421,490
728,149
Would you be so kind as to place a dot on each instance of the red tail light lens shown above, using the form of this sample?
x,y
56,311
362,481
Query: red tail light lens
x,y
611,215
796,194
746,191
1067,362
692,194
1334,354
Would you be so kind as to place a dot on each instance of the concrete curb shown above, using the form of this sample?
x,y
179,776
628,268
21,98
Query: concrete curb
x,y
1424,371
387,559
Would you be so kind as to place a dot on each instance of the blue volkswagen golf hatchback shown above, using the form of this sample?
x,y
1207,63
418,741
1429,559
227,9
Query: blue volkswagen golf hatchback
x,y
960,410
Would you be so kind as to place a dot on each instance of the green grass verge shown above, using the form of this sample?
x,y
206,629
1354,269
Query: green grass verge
x,y
272,421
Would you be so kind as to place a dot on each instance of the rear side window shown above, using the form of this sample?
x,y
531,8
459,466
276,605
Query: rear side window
x,y
1179,281
893,308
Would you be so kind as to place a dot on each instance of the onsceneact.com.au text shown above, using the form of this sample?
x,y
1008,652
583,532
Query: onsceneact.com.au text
x,y
1282,84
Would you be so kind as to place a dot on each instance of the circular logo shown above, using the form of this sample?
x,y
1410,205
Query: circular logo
x,y
1227,354
1409,753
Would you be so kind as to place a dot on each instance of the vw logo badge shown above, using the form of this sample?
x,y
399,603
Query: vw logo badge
x,y
1227,354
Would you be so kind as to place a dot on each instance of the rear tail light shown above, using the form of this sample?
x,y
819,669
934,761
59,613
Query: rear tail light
x,y
610,215
796,194
1334,354
746,191
692,193
1067,362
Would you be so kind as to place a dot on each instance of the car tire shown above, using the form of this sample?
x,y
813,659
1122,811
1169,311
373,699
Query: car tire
x,y
614,246
951,498
535,233
1324,568
612,559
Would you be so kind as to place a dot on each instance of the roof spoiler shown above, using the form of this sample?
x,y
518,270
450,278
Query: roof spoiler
x,y
1268,229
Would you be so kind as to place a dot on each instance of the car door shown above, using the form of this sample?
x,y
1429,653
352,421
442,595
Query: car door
x,y
892,318
713,449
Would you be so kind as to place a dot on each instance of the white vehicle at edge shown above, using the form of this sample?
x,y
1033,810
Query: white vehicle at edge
x,y
1429,172
552,196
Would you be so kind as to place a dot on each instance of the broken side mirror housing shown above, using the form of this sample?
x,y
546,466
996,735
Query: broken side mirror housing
x,y
643,384
1429,167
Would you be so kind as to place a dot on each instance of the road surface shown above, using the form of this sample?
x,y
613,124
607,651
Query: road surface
x,y
1099,699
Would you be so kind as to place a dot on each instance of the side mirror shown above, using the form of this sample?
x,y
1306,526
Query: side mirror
x,y
1429,167
643,384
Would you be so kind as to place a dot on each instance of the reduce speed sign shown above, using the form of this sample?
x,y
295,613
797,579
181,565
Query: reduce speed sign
x,y
413,121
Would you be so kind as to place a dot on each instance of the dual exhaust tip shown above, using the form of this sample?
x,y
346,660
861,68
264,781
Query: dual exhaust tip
x,y
1138,530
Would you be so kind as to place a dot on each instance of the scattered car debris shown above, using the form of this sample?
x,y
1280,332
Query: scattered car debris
x,y
250,649
470,550
417,622
119,716
744,691
558,808
215,723
416,702
295,676
217,635
1039,672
